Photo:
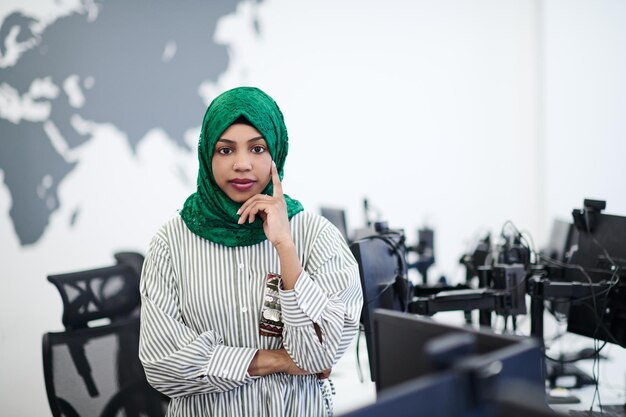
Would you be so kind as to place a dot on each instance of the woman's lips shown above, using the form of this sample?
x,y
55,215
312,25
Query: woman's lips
x,y
242,184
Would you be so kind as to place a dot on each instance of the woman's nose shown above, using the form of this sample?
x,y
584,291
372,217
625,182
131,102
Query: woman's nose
x,y
242,163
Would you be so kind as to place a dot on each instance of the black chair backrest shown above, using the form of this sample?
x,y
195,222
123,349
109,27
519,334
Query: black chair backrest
x,y
96,372
132,259
111,292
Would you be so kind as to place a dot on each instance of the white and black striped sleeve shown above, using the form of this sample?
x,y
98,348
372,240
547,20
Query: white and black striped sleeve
x,y
327,293
177,360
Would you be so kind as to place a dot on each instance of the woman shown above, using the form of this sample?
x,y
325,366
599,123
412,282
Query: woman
x,y
247,299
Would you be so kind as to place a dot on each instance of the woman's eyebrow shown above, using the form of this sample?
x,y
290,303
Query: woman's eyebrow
x,y
256,138
233,142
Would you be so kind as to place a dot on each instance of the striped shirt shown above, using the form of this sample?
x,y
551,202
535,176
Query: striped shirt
x,y
202,305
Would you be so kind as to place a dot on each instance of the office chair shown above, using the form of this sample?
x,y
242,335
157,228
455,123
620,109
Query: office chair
x,y
95,371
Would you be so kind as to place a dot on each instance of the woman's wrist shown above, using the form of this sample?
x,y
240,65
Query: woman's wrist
x,y
290,267
285,245
266,362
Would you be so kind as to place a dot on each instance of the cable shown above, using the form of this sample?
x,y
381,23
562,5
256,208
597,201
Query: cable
x,y
530,244
585,272
596,377
399,273
381,292
601,324
358,356
509,223
395,247
612,282
595,297
596,352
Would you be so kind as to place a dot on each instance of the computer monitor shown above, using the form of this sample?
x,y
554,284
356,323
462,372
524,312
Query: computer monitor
x,y
381,273
603,314
338,218
403,342
560,240
451,394
501,377
432,396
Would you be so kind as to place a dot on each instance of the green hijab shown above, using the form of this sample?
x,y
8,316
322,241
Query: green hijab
x,y
208,212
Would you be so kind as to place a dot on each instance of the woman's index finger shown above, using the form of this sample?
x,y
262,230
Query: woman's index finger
x,y
278,186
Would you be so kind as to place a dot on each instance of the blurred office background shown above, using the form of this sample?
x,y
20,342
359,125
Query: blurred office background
x,y
457,115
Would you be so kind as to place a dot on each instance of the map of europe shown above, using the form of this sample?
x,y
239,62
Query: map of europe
x,y
137,65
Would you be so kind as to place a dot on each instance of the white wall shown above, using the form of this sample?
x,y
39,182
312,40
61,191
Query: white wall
x,y
427,108
447,112
584,56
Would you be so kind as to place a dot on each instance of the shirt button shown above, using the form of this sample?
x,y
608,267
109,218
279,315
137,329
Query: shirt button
x,y
244,309
241,266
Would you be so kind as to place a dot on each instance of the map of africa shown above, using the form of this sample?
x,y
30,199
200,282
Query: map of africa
x,y
137,65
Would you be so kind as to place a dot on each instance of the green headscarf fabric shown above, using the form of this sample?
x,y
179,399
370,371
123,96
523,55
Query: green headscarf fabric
x,y
208,212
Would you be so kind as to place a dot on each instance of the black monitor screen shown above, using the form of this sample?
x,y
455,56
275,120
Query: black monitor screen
x,y
436,396
608,234
338,218
401,340
379,269
603,315
560,240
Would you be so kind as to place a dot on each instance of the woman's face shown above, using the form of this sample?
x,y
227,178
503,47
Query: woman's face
x,y
241,162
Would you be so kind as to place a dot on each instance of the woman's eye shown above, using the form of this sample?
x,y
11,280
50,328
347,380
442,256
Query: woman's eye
x,y
224,151
258,149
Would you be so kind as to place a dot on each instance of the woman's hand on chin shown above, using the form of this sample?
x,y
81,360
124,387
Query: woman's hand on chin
x,y
272,210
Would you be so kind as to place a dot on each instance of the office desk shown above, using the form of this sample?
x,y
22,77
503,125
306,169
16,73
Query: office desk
x,y
612,374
